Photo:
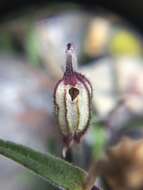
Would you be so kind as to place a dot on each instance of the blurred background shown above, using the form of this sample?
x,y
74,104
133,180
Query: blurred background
x,y
109,44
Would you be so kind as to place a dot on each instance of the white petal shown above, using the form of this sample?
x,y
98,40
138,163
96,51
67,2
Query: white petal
x,y
72,109
61,109
84,107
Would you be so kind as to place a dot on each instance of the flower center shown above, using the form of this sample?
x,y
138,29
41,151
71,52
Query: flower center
x,y
74,92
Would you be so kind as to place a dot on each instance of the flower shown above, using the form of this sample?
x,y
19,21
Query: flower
x,y
72,99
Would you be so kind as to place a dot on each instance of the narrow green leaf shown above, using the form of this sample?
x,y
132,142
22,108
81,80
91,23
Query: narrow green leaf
x,y
55,170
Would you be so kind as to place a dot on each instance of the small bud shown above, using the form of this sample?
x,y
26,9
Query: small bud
x,y
72,99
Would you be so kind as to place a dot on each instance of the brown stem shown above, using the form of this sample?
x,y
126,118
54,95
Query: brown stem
x,y
91,177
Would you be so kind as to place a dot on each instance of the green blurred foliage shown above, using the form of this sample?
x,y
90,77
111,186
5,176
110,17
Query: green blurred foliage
x,y
6,44
125,43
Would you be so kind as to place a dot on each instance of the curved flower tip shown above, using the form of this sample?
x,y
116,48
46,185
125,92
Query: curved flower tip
x,y
72,99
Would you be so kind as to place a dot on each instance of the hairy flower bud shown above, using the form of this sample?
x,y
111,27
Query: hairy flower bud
x,y
72,98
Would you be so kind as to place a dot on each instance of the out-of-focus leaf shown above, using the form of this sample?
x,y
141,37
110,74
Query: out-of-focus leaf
x,y
57,171
6,43
33,48
101,139
99,134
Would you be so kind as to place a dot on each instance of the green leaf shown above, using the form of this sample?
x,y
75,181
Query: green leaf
x,y
101,140
55,170
98,138
33,48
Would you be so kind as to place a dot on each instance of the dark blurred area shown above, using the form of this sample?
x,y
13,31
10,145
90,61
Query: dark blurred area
x,y
131,10
108,36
